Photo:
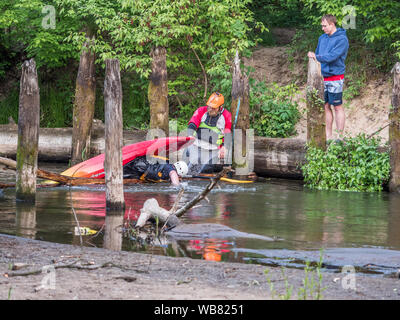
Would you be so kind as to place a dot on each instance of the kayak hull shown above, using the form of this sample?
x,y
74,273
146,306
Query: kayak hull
x,y
94,167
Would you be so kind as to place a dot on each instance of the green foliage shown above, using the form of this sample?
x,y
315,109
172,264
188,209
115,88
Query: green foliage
x,y
353,165
277,13
273,113
55,106
198,35
379,21
9,106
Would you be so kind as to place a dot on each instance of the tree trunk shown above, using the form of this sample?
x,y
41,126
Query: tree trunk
x,y
28,133
83,112
113,136
394,132
240,108
316,135
158,90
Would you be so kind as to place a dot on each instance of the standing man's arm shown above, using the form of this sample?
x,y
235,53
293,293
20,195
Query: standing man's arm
x,y
338,50
312,54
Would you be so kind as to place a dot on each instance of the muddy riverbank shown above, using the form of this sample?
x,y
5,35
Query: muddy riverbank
x,y
91,273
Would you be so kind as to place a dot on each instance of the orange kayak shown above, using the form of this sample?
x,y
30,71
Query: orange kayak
x,y
94,167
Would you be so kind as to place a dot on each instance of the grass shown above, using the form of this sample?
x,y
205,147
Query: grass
x,y
311,284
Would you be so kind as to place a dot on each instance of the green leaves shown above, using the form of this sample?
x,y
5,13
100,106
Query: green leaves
x,y
273,114
353,165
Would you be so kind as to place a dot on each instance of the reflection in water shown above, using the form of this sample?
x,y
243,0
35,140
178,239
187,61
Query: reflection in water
x,y
209,249
113,231
304,218
25,220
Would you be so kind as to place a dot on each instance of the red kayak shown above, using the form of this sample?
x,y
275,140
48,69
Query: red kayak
x,y
94,167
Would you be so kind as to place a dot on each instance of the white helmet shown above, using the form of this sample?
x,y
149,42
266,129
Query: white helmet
x,y
181,168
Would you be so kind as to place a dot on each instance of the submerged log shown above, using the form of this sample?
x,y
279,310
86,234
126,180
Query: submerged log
x,y
179,230
65,180
170,218
28,133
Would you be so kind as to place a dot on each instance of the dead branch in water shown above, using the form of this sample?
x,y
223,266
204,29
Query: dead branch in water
x,y
170,218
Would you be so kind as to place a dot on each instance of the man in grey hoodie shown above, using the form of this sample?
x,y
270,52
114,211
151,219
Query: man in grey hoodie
x,y
331,52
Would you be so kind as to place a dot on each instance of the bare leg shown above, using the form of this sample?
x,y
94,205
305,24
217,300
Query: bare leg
x,y
328,121
339,119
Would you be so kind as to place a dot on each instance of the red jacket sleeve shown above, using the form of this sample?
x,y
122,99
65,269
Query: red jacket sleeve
x,y
197,115
228,121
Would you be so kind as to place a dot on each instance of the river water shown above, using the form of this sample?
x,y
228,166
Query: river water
x,y
351,228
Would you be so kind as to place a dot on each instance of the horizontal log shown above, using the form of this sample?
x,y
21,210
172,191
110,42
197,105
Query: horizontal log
x,y
273,157
279,157
55,143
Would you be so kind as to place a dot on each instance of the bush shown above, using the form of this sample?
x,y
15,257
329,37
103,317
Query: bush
x,y
355,164
273,113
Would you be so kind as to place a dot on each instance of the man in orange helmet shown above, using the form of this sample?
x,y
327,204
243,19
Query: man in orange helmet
x,y
209,124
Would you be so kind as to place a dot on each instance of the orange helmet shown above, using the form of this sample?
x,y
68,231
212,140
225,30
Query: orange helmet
x,y
215,100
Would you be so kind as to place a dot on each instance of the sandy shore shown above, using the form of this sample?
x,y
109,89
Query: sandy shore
x,y
75,272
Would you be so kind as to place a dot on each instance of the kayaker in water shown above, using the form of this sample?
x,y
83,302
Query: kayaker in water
x,y
141,168
209,124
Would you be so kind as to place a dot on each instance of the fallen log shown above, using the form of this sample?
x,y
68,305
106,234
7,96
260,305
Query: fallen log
x,y
182,231
55,143
273,157
170,218
70,181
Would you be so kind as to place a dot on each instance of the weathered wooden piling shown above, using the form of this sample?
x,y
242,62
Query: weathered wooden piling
x,y
394,132
83,110
25,220
113,136
28,133
240,91
112,233
240,109
158,90
316,135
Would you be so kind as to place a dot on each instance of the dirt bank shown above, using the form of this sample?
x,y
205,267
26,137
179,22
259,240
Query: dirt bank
x,y
93,273
366,113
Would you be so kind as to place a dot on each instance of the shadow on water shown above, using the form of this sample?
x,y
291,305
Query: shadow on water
x,y
358,229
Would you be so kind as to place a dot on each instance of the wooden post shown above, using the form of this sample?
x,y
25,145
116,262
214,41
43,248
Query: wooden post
x,y
240,109
25,220
240,90
316,135
158,90
83,111
113,232
394,132
28,133
113,136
